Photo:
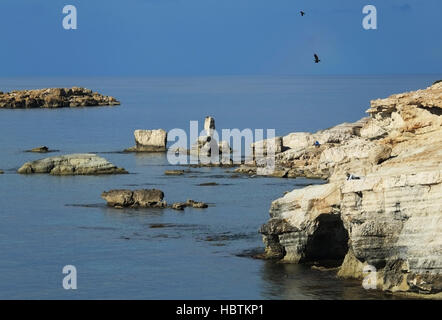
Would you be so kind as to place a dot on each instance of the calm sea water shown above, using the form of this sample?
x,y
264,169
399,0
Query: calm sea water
x,y
48,222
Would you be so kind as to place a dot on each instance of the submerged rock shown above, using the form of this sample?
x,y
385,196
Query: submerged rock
x,y
196,204
146,198
54,98
179,205
390,218
149,141
174,172
42,149
72,164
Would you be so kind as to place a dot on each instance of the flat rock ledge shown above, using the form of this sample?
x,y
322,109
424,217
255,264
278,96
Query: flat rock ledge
x,y
381,208
54,98
144,198
72,164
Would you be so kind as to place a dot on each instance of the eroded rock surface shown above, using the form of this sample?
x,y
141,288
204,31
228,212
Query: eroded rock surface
x,y
149,141
146,198
54,98
72,164
390,217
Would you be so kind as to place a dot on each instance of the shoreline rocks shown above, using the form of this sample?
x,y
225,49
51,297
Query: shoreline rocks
x,y
381,207
72,164
54,98
149,141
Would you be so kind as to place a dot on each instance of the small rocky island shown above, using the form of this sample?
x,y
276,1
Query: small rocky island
x,y
381,207
72,164
54,98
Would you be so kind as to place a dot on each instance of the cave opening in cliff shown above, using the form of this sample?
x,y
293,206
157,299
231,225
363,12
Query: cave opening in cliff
x,y
328,245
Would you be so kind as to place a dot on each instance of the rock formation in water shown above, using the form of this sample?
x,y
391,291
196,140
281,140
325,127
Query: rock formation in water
x,y
149,141
382,204
147,198
207,145
54,98
41,149
189,203
72,164
174,172
144,198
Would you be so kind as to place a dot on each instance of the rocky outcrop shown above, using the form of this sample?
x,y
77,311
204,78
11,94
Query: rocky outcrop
x,y
146,198
149,141
2,172
72,164
54,98
382,205
314,155
42,149
207,146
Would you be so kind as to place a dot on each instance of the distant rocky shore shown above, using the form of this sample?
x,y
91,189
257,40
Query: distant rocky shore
x,y
381,209
54,98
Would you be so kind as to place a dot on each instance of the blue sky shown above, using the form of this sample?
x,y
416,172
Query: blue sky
x,y
219,37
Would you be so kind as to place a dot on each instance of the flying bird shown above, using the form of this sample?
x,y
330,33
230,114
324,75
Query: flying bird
x,y
302,13
316,58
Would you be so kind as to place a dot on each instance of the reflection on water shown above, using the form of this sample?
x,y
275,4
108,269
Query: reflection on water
x,y
295,282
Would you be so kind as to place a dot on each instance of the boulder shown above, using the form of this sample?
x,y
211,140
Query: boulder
x,y
145,198
196,204
179,205
209,125
72,164
150,141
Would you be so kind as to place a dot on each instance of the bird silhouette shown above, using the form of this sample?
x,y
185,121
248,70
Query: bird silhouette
x,y
302,13
316,58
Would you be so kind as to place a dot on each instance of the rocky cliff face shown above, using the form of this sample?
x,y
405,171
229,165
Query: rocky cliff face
x,y
382,205
54,98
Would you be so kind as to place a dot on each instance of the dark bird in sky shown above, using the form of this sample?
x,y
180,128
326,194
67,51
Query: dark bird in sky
x,y
302,13
316,58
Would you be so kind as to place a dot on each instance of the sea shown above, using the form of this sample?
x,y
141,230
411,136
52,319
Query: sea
x,y
49,222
